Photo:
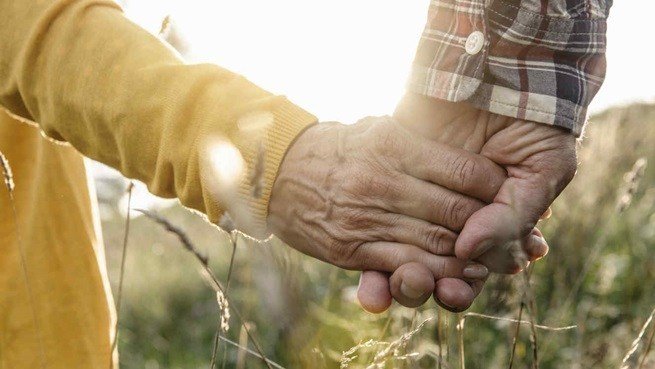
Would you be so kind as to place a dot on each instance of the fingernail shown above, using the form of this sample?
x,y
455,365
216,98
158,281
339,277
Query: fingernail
x,y
475,271
454,309
544,250
450,307
409,292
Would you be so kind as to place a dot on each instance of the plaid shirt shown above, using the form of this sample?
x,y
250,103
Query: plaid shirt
x,y
538,60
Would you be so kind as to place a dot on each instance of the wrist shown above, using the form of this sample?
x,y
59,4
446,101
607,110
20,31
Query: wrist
x,y
305,160
458,124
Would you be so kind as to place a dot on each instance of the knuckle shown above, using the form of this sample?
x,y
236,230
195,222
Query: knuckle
x,y
492,179
437,241
458,211
344,262
388,140
463,173
370,181
334,248
397,256
440,268
357,181
353,219
354,258
392,220
434,239
382,187
342,255
365,223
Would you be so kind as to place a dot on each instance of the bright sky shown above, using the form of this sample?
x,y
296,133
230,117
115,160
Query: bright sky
x,y
344,59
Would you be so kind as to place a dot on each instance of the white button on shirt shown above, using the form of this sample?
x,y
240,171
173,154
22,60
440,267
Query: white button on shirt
x,y
474,42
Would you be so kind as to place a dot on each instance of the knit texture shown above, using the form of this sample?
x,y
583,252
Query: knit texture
x,y
84,75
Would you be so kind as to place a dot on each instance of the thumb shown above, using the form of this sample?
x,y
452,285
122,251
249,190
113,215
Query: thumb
x,y
515,211
540,161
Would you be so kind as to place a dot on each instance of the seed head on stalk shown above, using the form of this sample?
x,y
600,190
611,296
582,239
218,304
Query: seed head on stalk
x,y
8,175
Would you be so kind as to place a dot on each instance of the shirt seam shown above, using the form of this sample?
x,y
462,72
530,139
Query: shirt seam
x,y
553,17
516,22
426,87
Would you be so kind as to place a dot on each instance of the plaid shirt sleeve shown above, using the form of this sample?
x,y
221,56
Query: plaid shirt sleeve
x,y
538,60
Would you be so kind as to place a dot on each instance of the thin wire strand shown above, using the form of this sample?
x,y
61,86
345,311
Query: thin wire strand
x,y
249,351
543,327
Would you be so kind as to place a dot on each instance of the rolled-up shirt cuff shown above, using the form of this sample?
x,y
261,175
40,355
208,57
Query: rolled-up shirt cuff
x,y
508,59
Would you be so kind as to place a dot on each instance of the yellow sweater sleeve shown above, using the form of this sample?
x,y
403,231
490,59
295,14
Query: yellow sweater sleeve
x,y
90,77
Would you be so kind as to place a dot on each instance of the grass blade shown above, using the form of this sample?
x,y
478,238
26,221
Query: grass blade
x,y
207,273
11,186
119,293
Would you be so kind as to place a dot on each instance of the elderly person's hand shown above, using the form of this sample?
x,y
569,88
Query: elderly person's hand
x,y
540,161
373,196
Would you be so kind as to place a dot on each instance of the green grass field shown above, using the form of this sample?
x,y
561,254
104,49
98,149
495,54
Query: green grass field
x,y
599,276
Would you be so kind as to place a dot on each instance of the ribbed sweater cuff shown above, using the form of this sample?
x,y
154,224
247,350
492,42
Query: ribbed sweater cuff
x,y
289,121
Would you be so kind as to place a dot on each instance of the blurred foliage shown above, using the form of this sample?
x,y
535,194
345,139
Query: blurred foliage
x,y
599,276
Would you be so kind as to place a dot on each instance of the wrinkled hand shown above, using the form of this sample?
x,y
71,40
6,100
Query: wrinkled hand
x,y
373,196
540,161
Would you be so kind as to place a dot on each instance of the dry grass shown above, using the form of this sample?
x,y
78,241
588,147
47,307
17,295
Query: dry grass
x,y
212,281
636,356
579,308
11,187
121,277
7,174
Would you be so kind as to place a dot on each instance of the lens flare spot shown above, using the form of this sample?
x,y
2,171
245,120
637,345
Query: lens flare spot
x,y
227,164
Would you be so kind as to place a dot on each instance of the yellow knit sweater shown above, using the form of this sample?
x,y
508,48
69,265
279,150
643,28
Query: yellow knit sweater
x,y
77,71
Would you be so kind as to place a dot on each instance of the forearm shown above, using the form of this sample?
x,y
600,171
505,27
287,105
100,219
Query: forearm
x,y
90,77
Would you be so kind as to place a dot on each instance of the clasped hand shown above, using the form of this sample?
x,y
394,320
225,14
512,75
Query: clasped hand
x,y
426,203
